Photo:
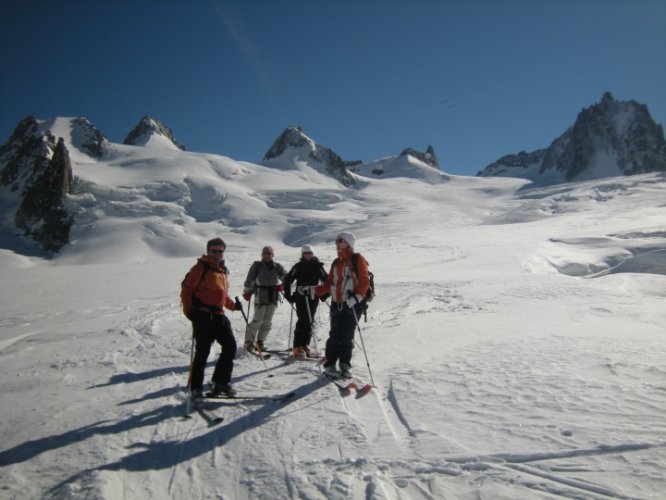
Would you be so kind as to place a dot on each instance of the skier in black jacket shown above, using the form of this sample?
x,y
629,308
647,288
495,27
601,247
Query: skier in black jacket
x,y
306,272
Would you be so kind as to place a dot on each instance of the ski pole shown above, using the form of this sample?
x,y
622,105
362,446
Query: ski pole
x,y
247,325
291,319
314,337
239,305
307,306
360,335
189,378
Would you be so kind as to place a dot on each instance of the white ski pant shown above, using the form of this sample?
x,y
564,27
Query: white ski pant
x,y
261,323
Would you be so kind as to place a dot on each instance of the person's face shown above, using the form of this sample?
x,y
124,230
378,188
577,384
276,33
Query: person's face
x,y
217,252
267,256
308,255
341,244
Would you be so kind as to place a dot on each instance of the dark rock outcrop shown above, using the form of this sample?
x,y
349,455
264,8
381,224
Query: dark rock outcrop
x,y
35,167
41,214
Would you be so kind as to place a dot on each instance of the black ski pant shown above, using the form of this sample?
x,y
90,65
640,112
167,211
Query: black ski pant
x,y
208,328
303,329
340,342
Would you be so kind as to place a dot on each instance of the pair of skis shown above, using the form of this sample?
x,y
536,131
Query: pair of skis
x,y
213,418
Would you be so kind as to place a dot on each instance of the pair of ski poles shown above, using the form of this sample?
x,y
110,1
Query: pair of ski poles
x,y
358,326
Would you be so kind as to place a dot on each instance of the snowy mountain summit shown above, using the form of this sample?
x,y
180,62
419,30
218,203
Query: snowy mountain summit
x,y
610,138
152,133
428,157
293,147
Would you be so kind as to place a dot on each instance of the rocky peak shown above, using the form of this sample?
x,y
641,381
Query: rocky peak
x,y
149,128
41,215
295,141
292,138
608,138
428,157
26,153
86,138
35,167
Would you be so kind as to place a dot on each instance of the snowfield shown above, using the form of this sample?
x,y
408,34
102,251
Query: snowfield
x,y
517,340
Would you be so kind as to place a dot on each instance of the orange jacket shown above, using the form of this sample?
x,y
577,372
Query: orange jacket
x,y
342,279
209,288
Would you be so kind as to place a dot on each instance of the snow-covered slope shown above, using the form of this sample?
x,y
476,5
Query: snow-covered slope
x,y
516,341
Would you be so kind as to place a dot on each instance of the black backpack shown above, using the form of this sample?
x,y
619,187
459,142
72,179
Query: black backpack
x,y
370,293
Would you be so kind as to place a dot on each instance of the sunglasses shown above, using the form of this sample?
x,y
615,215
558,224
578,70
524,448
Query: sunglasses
x,y
340,240
217,251
266,253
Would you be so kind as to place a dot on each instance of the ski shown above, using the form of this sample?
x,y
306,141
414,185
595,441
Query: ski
x,y
348,384
251,397
344,385
361,387
263,355
289,358
286,353
207,414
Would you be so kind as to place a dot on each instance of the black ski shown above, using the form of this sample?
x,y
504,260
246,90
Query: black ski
x,y
263,355
208,415
281,397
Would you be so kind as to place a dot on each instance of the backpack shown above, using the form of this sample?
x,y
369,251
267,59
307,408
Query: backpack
x,y
370,293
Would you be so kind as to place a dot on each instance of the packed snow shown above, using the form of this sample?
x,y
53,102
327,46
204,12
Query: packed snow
x,y
516,342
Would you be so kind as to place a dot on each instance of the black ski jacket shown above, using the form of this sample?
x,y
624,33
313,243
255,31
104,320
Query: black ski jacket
x,y
304,273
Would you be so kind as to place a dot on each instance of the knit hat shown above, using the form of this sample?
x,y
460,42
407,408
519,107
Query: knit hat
x,y
348,237
307,249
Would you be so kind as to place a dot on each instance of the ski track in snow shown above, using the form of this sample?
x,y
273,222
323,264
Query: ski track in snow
x,y
356,457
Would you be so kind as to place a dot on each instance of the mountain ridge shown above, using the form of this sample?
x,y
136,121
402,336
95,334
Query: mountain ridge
x,y
48,189
609,138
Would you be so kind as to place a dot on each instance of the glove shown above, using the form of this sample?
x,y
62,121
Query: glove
x,y
247,296
352,301
279,288
307,291
239,305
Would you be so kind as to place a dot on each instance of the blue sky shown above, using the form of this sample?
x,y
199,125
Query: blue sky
x,y
476,79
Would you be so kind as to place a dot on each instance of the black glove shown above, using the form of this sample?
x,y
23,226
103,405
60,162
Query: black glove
x,y
239,305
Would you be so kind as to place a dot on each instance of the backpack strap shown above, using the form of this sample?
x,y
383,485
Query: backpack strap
x,y
196,302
